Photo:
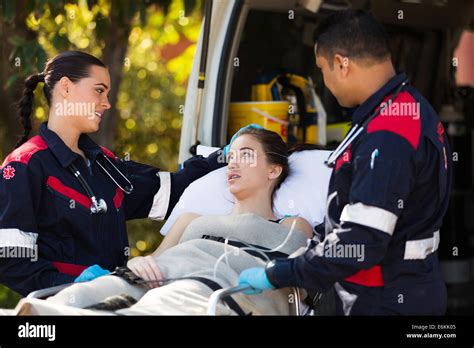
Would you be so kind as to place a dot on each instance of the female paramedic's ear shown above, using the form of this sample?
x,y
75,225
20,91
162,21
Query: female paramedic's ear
x,y
64,84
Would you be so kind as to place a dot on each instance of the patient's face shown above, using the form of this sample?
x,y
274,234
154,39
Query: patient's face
x,y
247,170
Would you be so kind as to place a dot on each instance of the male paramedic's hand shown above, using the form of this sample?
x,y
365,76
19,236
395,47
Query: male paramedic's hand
x,y
90,273
256,278
146,268
252,125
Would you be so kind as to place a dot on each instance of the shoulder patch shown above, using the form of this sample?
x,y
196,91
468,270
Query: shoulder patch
x,y
402,117
8,172
24,152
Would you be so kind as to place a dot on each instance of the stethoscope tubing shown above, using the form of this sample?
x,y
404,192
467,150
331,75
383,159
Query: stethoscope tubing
x,y
99,205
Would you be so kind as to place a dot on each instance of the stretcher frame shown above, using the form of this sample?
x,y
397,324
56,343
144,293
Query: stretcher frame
x,y
214,299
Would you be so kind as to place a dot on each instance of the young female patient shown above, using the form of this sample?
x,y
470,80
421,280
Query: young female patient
x,y
210,247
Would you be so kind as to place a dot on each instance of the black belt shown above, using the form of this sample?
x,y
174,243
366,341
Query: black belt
x,y
271,254
214,286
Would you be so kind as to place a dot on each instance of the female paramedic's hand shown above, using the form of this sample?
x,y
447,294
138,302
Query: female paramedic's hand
x,y
146,268
256,278
227,147
91,273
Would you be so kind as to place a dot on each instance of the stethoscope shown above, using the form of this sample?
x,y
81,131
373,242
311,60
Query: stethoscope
x,y
99,206
356,130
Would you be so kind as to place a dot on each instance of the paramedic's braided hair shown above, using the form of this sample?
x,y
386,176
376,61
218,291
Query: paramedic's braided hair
x,y
26,104
276,150
72,64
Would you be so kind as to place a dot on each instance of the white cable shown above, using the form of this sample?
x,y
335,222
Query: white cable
x,y
226,244
256,248
214,273
261,251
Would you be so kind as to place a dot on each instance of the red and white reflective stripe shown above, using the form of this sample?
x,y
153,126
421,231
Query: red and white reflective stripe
x,y
161,200
370,216
420,249
14,237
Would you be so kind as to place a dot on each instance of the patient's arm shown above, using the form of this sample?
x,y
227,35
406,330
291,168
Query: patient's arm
x,y
301,224
145,266
175,233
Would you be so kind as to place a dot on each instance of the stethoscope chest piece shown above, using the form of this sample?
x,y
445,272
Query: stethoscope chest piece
x,y
99,206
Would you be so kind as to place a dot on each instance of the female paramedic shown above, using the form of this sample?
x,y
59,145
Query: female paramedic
x,y
64,199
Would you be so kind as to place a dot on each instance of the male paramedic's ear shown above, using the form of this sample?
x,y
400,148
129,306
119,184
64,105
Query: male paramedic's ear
x,y
342,62
91,273
227,147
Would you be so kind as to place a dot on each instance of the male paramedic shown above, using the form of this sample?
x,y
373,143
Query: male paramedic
x,y
389,188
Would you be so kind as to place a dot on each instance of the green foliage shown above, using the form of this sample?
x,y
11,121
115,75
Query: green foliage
x,y
151,100
8,298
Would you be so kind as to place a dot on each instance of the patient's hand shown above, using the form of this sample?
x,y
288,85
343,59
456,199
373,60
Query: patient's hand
x,y
146,268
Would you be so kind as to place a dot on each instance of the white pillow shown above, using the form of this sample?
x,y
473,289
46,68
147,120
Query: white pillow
x,y
303,193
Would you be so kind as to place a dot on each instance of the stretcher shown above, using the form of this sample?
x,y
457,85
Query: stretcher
x,y
298,308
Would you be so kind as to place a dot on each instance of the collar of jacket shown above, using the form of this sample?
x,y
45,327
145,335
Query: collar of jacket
x,y
376,99
62,152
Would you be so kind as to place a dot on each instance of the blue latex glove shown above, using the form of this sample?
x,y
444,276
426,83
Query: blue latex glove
x,y
227,147
90,273
256,278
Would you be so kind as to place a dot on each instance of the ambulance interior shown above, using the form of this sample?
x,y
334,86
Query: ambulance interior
x,y
275,80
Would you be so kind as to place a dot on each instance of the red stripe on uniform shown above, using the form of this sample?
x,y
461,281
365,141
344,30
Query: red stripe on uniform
x,y
344,158
440,131
108,153
69,268
118,198
78,197
370,277
401,117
